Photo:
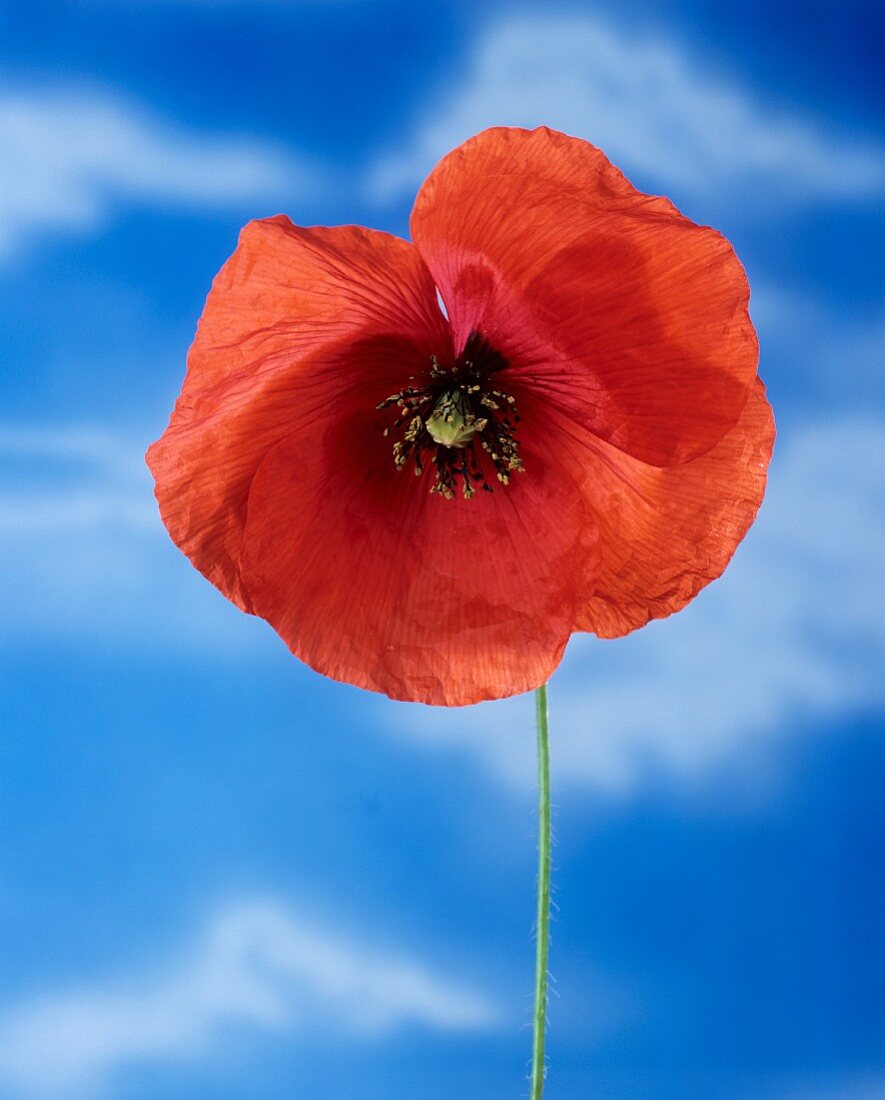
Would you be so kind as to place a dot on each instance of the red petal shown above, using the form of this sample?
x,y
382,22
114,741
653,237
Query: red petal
x,y
629,316
288,302
372,580
666,533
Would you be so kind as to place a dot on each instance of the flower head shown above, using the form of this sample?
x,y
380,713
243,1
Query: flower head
x,y
429,503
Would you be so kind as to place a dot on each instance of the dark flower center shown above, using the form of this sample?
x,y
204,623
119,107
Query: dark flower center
x,y
454,420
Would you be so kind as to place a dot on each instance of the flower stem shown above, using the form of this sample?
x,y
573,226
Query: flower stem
x,y
543,918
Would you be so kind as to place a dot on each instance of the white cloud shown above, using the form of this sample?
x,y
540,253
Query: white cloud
x,y
653,108
792,635
258,966
825,356
864,1087
83,554
71,157
78,507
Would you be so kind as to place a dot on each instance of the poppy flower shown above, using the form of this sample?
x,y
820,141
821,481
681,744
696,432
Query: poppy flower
x,y
427,464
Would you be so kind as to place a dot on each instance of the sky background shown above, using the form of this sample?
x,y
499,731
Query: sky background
x,y
222,876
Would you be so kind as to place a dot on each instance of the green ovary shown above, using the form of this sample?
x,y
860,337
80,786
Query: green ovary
x,y
452,423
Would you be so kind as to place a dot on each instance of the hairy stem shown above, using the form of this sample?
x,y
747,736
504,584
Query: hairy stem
x,y
543,917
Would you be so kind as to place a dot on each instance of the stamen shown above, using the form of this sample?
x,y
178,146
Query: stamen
x,y
457,418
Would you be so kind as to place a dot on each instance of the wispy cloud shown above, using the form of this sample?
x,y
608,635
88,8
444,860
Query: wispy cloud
x,y
97,481
71,157
820,353
257,966
654,108
83,554
791,636
850,1087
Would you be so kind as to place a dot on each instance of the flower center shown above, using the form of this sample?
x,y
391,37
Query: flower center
x,y
457,422
452,422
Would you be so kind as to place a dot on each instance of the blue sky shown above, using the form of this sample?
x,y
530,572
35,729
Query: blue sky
x,y
223,876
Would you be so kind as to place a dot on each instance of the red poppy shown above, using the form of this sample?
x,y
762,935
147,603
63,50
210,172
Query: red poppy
x,y
428,502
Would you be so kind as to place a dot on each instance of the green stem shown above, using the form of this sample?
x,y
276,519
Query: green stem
x,y
543,919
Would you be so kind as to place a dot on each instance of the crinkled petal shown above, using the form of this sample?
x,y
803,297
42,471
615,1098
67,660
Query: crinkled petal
x,y
666,533
285,305
373,580
631,319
